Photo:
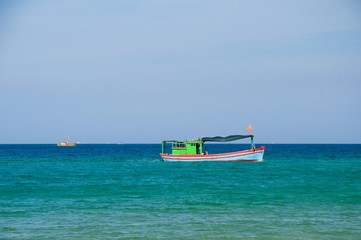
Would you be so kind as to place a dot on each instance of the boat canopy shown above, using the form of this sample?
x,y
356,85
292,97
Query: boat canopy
x,y
225,139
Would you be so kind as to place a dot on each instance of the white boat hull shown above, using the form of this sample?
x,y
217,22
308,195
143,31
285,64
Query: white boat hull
x,y
255,155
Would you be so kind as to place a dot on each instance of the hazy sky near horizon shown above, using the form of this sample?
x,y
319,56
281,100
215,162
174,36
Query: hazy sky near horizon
x,y
143,71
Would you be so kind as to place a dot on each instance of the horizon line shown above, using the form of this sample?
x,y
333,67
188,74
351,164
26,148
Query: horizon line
x,y
130,143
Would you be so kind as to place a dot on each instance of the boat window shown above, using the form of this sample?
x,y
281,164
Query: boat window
x,y
179,145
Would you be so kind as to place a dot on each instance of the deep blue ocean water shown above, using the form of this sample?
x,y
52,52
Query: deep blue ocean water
x,y
127,192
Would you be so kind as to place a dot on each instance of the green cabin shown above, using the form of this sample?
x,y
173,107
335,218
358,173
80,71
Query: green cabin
x,y
186,147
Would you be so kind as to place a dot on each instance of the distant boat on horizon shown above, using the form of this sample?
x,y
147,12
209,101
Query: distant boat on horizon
x,y
66,143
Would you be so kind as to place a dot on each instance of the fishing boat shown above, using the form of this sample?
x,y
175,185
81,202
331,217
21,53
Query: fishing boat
x,y
192,150
66,143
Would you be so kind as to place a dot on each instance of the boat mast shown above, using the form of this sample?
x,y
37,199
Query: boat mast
x,y
163,146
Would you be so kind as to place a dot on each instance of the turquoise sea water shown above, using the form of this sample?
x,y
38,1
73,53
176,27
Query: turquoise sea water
x,y
126,191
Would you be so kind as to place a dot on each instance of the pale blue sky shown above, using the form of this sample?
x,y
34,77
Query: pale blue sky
x,y
144,71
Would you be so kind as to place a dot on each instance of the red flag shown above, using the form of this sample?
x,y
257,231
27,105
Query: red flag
x,y
249,128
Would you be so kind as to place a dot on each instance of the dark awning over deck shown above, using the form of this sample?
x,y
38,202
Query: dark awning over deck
x,y
225,139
